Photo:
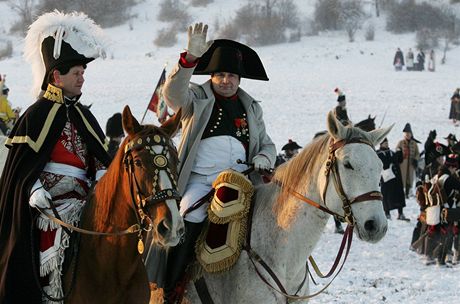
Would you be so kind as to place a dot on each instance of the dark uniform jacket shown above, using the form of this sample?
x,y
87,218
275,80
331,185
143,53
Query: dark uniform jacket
x,y
31,142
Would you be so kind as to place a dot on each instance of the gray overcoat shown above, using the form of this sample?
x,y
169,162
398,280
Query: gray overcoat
x,y
197,102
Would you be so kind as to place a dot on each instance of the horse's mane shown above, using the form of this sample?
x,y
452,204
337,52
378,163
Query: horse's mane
x,y
106,189
298,173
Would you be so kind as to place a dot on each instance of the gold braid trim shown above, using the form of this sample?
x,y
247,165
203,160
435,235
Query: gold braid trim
x,y
236,234
36,145
54,94
219,214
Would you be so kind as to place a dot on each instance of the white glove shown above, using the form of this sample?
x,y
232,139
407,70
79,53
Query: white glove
x,y
40,198
197,45
261,162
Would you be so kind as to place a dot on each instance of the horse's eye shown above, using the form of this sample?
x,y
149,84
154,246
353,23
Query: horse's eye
x,y
348,165
138,162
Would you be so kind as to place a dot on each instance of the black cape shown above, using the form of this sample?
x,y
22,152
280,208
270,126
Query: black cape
x,y
30,145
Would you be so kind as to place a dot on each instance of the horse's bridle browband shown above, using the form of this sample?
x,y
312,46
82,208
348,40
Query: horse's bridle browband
x,y
160,163
331,166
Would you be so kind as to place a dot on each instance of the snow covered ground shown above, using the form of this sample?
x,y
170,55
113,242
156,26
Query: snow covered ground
x,y
303,76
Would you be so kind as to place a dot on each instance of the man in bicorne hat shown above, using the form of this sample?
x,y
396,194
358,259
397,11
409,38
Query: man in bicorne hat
x,y
221,124
56,149
411,155
290,150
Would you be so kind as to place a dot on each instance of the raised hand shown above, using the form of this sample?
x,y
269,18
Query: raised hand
x,y
197,44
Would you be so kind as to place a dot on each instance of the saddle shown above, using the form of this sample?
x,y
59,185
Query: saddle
x,y
220,244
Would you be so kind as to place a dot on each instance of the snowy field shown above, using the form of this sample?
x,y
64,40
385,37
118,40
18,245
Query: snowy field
x,y
303,76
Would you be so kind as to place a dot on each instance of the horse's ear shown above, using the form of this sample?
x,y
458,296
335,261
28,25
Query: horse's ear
x,y
378,135
335,128
130,123
172,124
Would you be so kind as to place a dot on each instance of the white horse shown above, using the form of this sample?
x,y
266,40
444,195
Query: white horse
x,y
285,230
3,152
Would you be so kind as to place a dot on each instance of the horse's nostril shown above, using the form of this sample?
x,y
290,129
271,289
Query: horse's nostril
x,y
370,225
181,231
163,227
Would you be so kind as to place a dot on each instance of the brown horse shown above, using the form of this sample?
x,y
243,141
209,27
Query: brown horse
x,y
138,191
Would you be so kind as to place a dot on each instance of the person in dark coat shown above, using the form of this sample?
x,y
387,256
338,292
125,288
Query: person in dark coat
x,y
114,131
56,149
398,61
454,112
391,183
433,148
420,61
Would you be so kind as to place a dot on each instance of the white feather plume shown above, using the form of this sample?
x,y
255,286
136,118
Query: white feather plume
x,y
81,32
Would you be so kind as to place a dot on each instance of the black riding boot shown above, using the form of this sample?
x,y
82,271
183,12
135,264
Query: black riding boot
x,y
178,259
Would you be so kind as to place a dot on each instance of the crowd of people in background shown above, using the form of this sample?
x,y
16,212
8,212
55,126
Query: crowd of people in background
x,y
413,63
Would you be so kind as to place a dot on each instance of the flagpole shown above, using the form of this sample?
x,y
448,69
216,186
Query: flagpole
x,y
154,91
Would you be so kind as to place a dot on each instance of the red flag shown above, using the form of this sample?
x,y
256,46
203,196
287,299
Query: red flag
x,y
156,96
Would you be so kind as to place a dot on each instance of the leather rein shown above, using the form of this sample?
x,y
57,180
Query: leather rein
x,y
331,167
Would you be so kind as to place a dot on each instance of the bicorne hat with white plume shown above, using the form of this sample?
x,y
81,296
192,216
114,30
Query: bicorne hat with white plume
x,y
57,39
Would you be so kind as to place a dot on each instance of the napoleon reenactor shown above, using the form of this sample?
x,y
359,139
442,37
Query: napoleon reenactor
x,y
56,149
221,124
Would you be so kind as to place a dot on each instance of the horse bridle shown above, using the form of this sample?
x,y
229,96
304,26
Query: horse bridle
x,y
331,166
140,201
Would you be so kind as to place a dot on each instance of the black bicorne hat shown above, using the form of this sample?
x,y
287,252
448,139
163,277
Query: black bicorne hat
x,y
68,57
114,126
233,57
291,145
451,137
407,128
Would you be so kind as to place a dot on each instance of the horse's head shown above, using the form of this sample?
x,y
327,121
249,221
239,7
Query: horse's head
x,y
352,178
367,124
150,159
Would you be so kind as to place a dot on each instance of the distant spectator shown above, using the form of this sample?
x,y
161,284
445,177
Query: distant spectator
x,y
431,62
454,113
114,131
398,61
290,150
410,60
7,115
420,66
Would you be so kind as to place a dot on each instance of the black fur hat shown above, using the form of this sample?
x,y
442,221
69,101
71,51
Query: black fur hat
x,y
233,57
114,127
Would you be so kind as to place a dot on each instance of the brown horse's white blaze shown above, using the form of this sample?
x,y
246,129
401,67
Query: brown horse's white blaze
x,y
169,230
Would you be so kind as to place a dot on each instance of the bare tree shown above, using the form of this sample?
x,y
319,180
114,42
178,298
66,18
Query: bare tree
x,y
25,9
352,16
377,8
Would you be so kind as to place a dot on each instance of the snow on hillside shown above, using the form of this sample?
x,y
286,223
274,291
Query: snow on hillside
x,y
303,76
